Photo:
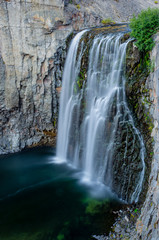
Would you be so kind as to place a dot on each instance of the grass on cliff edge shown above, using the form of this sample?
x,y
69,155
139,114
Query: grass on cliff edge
x,y
143,27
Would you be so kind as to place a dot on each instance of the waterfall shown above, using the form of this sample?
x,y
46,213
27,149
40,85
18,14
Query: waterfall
x,y
96,130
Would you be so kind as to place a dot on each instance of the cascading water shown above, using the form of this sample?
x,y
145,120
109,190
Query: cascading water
x,y
68,100
96,131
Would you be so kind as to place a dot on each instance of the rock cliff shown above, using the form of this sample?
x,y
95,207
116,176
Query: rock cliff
x,y
91,12
142,221
147,225
32,47
135,223
32,32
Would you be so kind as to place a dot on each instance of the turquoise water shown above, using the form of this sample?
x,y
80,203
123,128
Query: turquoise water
x,y
42,200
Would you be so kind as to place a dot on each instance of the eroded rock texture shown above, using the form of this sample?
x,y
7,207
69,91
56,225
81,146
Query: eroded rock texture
x,y
90,12
32,40
148,223
30,34
142,91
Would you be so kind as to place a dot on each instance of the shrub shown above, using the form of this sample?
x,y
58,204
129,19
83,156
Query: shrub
x,y
107,21
143,27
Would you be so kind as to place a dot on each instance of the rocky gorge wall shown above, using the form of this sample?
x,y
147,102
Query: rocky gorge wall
x,y
32,32
32,45
147,226
141,221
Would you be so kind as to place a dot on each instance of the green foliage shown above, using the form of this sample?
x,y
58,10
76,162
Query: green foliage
x,y
81,79
149,121
156,2
143,27
146,65
136,210
78,6
107,21
79,83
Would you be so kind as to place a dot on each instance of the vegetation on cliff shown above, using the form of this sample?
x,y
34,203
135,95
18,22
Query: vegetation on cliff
x,y
138,68
143,27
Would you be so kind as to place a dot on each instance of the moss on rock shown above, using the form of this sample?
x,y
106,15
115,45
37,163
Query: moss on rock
x,y
138,97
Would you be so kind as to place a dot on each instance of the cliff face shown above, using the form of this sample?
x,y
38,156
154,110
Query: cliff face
x,y
32,39
148,223
81,13
30,34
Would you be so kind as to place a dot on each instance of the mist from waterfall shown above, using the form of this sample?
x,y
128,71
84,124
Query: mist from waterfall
x,y
92,114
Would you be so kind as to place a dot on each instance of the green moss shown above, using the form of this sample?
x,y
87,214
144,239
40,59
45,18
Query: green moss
x,y
93,207
107,21
136,210
138,68
145,90
81,78
80,81
136,106
54,123
78,6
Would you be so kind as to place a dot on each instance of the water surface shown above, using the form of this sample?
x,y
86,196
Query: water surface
x,y
42,200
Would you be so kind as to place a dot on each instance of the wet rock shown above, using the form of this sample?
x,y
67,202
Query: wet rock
x,y
30,34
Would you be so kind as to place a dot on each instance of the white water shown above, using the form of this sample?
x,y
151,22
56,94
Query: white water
x,y
87,140
68,100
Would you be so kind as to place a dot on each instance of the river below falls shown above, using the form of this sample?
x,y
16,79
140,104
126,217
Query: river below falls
x,y
43,200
